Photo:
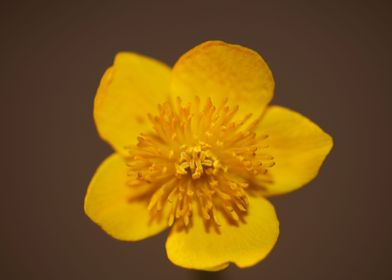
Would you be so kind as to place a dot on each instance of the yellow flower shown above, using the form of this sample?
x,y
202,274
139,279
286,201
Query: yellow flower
x,y
197,149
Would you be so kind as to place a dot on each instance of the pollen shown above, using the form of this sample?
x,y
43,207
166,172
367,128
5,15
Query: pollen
x,y
197,160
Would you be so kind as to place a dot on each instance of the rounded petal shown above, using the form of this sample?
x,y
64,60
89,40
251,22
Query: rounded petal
x,y
244,244
298,146
219,70
108,204
130,89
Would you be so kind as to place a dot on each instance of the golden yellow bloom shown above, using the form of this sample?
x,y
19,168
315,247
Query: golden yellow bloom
x,y
198,150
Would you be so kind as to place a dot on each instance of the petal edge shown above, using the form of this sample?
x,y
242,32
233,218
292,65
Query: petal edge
x,y
220,70
128,90
245,244
299,148
107,204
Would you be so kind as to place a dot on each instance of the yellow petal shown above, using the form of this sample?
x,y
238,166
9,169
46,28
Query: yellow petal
x,y
218,70
107,203
130,89
298,146
244,245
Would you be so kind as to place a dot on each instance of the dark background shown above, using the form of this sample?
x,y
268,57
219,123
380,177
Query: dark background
x,y
331,61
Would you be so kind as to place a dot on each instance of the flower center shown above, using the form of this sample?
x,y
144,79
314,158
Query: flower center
x,y
197,161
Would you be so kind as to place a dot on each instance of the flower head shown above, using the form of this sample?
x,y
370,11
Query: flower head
x,y
198,150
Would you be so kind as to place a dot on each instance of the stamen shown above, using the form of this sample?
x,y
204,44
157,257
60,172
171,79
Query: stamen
x,y
198,161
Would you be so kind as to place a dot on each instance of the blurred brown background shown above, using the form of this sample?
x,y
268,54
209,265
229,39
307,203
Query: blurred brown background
x,y
331,61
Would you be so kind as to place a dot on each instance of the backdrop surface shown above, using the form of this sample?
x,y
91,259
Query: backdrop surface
x,y
331,61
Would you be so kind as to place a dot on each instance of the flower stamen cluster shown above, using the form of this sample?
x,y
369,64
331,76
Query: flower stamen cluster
x,y
197,160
